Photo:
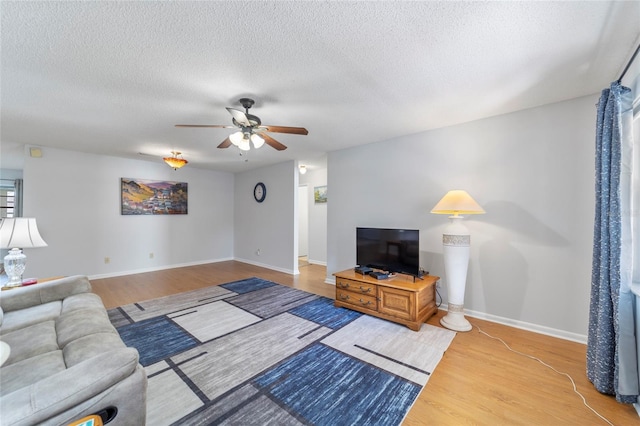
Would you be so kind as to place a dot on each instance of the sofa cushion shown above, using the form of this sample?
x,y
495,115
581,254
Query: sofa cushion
x,y
15,320
29,371
76,324
81,301
24,297
30,341
89,346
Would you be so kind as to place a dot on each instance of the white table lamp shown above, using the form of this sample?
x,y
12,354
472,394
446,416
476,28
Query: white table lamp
x,y
455,242
15,234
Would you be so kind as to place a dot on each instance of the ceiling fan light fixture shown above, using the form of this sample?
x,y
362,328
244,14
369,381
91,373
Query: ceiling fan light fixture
x,y
248,124
244,145
257,141
236,138
174,161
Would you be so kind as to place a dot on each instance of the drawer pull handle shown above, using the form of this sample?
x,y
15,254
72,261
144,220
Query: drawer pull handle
x,y
365,290
344,285
344,297
367,303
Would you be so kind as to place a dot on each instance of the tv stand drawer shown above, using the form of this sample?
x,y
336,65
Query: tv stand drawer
x,y
356,286
357,299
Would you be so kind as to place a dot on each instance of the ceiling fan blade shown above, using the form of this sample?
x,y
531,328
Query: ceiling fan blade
x,y
272,142
240,117
284,129
221,126
225,143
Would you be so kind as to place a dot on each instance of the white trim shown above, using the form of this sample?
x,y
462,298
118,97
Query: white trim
x,y
262,265
540,329
317,262
157,268
330,280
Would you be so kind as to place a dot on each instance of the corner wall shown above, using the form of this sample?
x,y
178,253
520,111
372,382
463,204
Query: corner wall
x,y
532,171
266,233
76,200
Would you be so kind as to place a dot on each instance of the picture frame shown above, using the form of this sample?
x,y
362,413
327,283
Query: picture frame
x,y
153,197
320,194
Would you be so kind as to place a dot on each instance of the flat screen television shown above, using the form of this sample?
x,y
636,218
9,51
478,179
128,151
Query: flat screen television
x,y
393,250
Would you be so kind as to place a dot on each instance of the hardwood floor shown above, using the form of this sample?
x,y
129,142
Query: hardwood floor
x,y
478,382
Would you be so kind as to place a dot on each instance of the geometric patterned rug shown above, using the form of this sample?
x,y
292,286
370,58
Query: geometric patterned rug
x,y
253,352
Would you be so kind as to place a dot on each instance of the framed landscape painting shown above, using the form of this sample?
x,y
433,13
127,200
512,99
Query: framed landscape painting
x,y
145,197
320,194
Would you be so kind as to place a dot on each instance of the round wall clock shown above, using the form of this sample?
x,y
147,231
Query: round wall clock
x,y
260,192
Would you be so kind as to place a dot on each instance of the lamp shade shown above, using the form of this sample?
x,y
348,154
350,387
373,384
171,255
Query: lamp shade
x,y
456,202
257,141
236,138
20,232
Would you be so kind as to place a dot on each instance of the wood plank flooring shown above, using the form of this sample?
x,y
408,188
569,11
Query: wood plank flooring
x,y
478,382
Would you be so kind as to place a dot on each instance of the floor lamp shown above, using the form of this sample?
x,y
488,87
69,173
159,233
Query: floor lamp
x,y
455,242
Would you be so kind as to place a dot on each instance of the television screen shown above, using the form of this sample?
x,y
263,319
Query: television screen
x,y
393,250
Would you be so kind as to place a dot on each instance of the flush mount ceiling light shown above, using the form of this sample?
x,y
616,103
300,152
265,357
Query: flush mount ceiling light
x,y
174,161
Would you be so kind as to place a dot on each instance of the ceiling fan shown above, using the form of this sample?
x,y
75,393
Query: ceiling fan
x,y
251,129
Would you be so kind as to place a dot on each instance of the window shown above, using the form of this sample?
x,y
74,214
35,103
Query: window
x,y
7,202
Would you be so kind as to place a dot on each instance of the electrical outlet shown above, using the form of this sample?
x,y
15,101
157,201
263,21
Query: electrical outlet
x,y
258,252
107,260
151,255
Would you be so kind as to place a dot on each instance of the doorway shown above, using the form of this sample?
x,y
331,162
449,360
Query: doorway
x,y
303,226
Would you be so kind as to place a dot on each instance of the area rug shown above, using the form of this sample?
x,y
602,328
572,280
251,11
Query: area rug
x,y
253,352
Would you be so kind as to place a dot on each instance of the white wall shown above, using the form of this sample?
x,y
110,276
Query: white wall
x,y
269,228
532,171
76,200
317,216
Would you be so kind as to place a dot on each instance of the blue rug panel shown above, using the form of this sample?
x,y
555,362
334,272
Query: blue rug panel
x,y
248,285
321,311
345,391
156,339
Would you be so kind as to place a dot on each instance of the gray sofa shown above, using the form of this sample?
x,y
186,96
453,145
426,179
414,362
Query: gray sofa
x,y
67,361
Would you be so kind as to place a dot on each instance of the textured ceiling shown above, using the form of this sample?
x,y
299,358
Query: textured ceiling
x,y
114,77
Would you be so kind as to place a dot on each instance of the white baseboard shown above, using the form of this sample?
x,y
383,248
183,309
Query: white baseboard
x,y
540,329
273,268
317,262
330,280
182,265
154,269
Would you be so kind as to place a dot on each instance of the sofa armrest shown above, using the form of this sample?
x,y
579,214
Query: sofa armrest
x,y
25,297
64,390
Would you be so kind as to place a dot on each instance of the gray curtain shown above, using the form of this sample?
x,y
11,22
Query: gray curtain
x,y
17,209
612,359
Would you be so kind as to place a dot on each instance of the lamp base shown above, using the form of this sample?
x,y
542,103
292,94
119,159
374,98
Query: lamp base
x,y
455,320
14,265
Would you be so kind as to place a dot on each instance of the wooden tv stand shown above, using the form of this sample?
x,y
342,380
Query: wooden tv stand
x,y
398,299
